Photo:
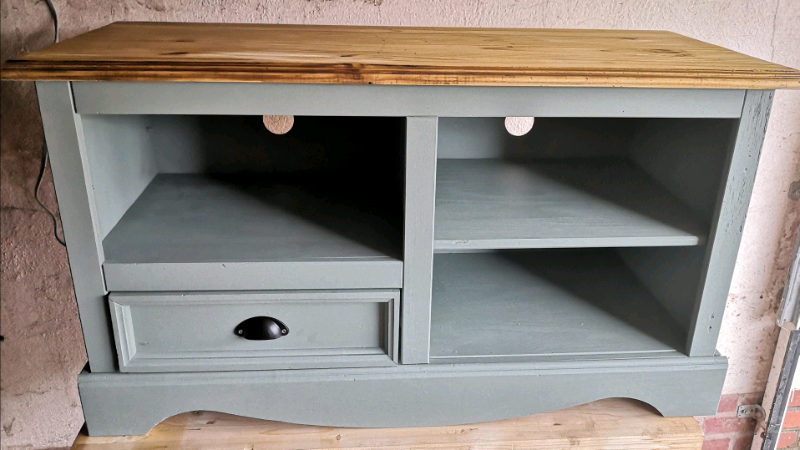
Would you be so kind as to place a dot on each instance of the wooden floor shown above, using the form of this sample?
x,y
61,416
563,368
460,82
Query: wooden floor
x,y
606,424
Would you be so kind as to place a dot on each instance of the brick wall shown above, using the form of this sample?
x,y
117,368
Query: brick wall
x,y
791,424
725,431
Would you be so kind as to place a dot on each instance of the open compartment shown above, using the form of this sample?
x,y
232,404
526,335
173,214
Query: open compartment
x,y
585,238
546,305
578,182
220,202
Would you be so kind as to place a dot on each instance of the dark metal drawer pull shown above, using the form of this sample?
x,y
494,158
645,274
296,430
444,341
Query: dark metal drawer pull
x,y
261,328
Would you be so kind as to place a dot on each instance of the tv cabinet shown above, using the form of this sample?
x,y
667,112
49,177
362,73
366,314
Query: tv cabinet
x,y
397,258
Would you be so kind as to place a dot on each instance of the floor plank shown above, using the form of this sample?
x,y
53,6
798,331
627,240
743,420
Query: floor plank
x,y
604,424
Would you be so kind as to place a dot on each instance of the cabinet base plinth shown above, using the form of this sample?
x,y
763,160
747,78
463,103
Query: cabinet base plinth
x,y
401,396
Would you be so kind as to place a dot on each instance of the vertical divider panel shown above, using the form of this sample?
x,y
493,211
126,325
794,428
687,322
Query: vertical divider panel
x,y
723,241
415,319
64,135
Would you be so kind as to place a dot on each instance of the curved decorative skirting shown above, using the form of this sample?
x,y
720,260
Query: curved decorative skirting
x,y
401,396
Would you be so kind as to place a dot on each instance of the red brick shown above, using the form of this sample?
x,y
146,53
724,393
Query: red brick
x,y
728,403
794,400
716,444
751,399
792,419
720,425
744,442
787,439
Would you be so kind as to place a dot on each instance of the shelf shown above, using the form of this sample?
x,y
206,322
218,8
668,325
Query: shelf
x,y
545,304
279,230
495,204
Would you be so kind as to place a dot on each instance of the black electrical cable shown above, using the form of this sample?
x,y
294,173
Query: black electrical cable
x,y
45,156
42,168
54,15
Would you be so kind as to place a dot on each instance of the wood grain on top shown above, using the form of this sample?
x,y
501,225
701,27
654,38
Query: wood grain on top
x,y
128,51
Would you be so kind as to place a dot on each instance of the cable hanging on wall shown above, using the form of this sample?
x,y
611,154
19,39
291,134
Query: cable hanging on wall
x,y
45,155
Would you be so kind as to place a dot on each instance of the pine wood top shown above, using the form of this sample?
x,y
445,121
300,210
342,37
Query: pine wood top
x,y
612,423
129,51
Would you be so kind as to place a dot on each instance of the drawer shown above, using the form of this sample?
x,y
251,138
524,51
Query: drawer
x,y
175,332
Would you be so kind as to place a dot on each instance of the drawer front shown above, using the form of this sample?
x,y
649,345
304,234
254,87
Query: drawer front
x,y
196,332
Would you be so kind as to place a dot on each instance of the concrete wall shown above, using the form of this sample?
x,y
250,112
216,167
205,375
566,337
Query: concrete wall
x,y
43,351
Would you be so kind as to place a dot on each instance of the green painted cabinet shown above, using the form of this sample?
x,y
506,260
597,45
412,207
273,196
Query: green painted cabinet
x,y
418,264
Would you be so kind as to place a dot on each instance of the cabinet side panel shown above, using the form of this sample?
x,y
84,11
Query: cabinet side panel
x,y
122,163
728,221
64,135
687,156
671,274
421,141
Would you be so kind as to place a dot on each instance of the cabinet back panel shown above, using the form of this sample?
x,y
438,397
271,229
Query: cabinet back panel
x,y
486,137
230,144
